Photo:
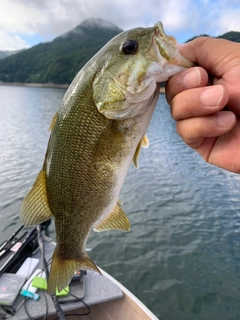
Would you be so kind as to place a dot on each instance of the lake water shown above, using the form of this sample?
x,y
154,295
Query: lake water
x,y
182,256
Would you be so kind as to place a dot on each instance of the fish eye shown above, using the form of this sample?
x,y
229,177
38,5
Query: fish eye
x,y
130,47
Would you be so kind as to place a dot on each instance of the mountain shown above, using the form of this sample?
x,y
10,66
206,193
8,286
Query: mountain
x,y
231,35
58,61
4,54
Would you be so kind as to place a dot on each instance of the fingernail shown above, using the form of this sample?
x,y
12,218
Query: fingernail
x,y
192,78
212,96
225,119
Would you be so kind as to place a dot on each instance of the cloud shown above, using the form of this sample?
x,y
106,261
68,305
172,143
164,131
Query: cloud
x,y
11,41
22,19
228,20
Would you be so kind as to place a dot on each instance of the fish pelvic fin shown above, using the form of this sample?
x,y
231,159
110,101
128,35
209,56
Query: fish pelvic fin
x,y
35,207
63,270
144,143
115,220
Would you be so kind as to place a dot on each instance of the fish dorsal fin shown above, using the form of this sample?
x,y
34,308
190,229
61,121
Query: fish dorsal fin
x,y
63,270
144,143
53,121
35,208
114,220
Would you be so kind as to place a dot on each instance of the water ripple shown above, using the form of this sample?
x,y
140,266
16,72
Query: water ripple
x,y
182,255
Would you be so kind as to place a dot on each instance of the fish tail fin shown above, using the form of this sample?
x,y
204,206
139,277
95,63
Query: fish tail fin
x,y
63,270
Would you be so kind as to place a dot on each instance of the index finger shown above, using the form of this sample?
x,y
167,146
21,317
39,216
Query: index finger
x,y
191,78
214,55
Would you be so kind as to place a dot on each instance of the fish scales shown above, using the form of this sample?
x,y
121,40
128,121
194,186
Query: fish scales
x,y
95,135
78,184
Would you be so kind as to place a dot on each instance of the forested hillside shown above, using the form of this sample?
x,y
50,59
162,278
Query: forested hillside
x,y
58,61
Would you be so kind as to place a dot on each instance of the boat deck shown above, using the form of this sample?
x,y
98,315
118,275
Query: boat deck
x,y
98,290
106,297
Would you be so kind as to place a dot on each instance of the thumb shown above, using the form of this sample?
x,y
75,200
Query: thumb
x,y
216,56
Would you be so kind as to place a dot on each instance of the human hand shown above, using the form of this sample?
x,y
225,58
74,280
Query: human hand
x,y
198,97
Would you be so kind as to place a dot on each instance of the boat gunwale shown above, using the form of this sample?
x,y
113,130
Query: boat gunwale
x,y
130,295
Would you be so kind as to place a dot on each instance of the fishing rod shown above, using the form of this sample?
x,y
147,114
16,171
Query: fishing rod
x,y
9,241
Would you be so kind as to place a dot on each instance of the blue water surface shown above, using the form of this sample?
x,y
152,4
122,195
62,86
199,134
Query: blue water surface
x,y
182,256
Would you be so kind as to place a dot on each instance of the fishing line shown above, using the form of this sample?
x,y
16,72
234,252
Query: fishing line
x,y
45,298
56,303
77,314
9,314
27,312
59,311
26,299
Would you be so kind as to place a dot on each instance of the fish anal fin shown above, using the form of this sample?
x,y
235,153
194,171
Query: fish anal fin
x,y
114,220
35,208
144,143
53,121
63,270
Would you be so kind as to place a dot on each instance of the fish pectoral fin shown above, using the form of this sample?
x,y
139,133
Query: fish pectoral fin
x,y
144,143
35,208
53,121
115,220
63,270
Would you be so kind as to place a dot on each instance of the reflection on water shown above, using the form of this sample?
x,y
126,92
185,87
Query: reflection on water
x,y
182,254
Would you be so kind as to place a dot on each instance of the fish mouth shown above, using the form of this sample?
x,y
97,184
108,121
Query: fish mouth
x,y
167,46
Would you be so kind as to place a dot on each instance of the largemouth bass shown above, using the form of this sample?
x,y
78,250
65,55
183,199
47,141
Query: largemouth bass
x,y
95,135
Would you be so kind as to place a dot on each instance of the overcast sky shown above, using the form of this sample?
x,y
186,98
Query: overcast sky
x,y
24,23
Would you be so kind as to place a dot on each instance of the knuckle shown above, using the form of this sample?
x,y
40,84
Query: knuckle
x,y
189,131
179,107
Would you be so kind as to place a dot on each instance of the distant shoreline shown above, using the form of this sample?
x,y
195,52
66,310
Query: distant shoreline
x,y
37,85
46,85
